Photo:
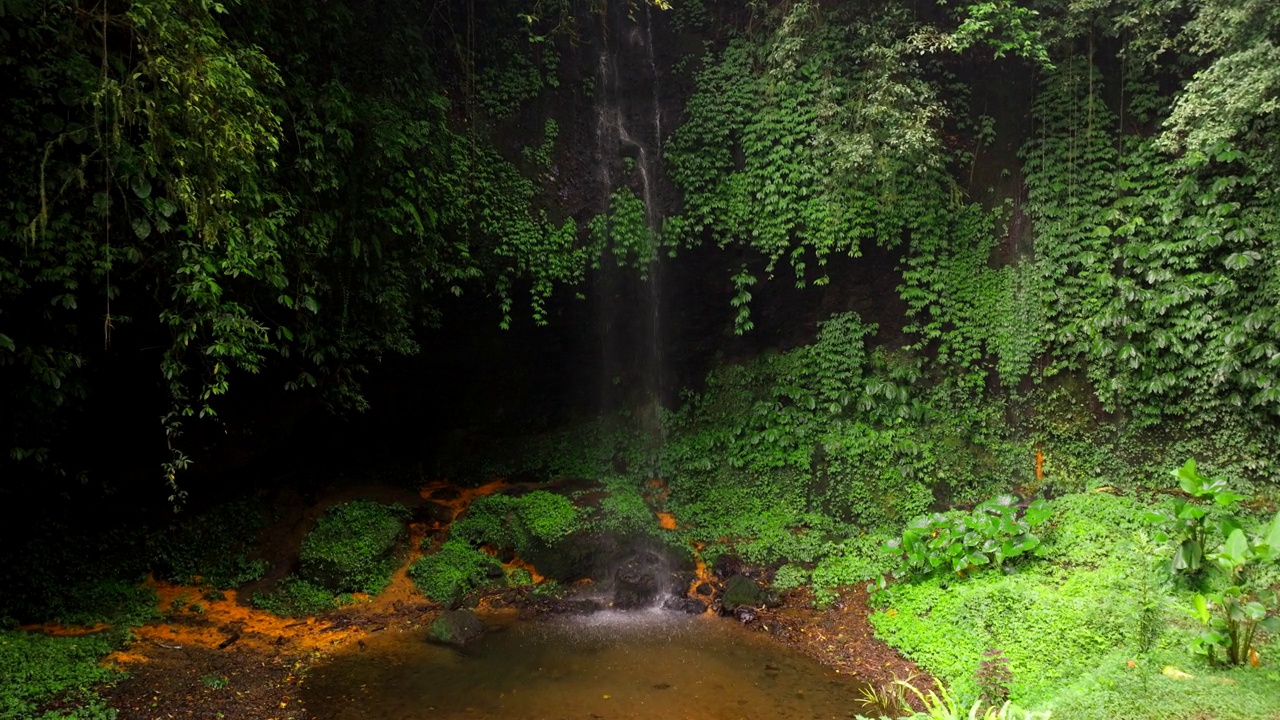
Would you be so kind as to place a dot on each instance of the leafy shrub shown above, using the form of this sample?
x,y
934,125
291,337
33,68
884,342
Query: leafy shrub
x,y
295,597
993,677
857,559
994,532
453,571
36,669
789,577
352,547
623,512
524,523
1189,523
75,573
213,546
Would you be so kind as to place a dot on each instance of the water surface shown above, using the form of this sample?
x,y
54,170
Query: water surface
x,y
608,666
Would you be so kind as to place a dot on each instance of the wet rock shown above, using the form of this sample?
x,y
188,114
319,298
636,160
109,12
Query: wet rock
x,y
456,627
740,591
638,581
576,606
681,579
726,566
685,605
704,589
745,614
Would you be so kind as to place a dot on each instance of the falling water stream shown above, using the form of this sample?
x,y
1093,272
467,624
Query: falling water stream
x,y
650,665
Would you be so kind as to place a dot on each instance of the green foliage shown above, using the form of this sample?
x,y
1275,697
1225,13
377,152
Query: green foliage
x,y
624,231
454,570
1249,563
1115,689
213,547
196,177
1188,525
37,669
520,523
789,577
1091,529
353,546
77,573
1087,631
623,511
776,155
295,597
854,560
1052,625
943,704
994,532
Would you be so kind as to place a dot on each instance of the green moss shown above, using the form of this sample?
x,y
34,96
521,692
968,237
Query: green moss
x,y
353,546
454,570
524,524
296,597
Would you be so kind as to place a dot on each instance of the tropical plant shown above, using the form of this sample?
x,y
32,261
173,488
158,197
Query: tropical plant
x,y
995,531
1231,617
943,704
1189,524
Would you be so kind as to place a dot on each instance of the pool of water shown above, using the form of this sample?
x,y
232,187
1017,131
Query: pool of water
x,y
608,666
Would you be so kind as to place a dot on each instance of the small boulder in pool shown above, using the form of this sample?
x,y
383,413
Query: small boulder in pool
x,y
456,628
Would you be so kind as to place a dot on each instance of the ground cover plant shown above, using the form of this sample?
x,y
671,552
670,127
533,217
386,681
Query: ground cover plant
x,y
354,547
1093,621
39,673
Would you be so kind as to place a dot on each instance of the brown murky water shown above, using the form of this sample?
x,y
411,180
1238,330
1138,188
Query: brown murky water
x,y
608,666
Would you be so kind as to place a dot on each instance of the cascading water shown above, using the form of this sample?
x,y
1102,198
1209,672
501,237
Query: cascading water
x,y
628,138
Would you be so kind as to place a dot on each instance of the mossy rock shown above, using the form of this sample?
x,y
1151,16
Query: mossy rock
x,y
456,628
353,547
740,591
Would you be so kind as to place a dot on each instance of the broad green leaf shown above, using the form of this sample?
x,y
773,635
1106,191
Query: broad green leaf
x,y
1236,549
1038,512
1202,608
1272,536
1226,498
1154,517
141,186
1191,512
1187,556
1228,524
1188,479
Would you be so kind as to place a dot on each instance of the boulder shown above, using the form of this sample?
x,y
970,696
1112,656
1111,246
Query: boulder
x,y
726,565
685,605
638,581
456,628
740,591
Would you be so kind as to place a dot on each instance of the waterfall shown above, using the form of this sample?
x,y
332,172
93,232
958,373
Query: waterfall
x,y
629,125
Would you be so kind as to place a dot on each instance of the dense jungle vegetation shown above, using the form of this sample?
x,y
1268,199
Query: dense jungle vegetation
x,y
223,218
